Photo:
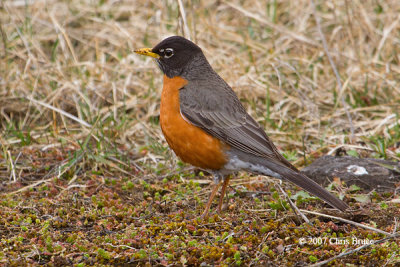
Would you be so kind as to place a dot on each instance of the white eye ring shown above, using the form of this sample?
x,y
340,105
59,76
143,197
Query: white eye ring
x,y
169,52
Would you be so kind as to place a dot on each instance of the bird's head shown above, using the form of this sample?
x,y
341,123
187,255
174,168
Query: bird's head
x,y
172,54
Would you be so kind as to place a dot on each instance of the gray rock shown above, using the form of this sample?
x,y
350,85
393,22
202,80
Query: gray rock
x,y
369,174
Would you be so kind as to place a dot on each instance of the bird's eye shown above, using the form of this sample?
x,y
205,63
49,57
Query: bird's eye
x,y
169,52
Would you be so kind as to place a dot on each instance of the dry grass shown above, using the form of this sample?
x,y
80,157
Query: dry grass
x,y
77,56
75,100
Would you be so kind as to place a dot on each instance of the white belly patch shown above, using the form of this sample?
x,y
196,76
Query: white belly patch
x,y
235,164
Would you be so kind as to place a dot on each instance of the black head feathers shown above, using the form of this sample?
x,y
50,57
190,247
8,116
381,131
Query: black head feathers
x,y
174,53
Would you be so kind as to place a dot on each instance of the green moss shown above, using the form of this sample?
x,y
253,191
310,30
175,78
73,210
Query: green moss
x,y
103,254
312,258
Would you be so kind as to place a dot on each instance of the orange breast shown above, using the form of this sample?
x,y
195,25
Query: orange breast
x,y
189,142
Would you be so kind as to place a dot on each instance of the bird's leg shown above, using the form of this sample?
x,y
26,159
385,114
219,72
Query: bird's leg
x,y
210,200
221,197
217,183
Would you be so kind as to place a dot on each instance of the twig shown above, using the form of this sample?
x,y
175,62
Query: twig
x,y
355,250
120,246
29,186
62,112
339,82
294,207
182,12
349,222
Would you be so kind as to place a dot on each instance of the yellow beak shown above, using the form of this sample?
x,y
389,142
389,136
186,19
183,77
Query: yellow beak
x,y
147,52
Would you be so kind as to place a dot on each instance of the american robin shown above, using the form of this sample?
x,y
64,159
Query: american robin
x,y
205,124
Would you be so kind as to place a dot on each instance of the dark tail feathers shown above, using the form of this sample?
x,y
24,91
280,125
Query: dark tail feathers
x,y
312,187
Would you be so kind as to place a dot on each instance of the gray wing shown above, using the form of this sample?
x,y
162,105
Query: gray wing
x,y
212,105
